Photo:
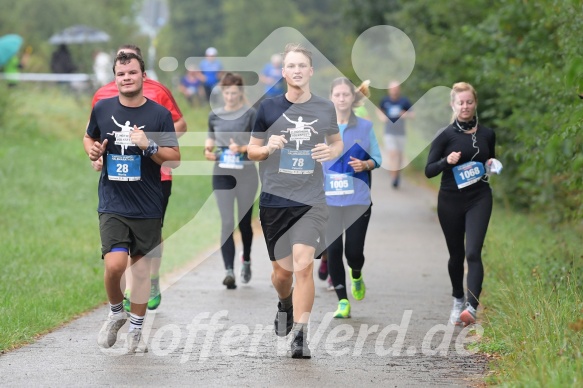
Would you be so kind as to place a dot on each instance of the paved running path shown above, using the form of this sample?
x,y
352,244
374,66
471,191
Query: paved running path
x,y
391,340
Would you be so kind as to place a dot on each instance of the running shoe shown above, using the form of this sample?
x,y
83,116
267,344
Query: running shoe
x,y
343,310
468,316
155,295
357,287
323,270
126,301
299,346
286,316
396,182
134,342
245,270
458,307
330,286
229,279
108,333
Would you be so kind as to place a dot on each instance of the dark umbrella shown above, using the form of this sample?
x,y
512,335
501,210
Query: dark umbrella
x,y
79,34
9,46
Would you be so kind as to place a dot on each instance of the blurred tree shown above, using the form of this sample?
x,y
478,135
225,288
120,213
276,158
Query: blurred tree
x,y
194,25
37,21
524,60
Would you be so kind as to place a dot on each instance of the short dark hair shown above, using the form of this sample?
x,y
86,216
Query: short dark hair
x,y
231,79
124,58
131,47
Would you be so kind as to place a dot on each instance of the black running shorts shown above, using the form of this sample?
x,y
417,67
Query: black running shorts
x,y
285,227
141,236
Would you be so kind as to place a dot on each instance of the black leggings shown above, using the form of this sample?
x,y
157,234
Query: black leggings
x,y
242,187
354,220
465,213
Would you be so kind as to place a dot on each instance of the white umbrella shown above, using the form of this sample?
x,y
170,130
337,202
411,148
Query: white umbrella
x,y
79,34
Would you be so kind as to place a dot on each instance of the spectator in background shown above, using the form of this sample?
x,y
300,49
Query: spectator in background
x,y
211,69
62,61
191,86
102,68
14,65
271,77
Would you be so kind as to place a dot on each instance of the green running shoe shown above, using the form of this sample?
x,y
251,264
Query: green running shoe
x,y
357,287
343,310
126,301
155,295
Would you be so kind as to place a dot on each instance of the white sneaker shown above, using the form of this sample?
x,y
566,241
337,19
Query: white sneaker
x,y
108,333
134,342
468,316
458,307
330,285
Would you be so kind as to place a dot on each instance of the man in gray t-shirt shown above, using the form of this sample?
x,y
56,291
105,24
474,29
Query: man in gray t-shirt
x,y
293,134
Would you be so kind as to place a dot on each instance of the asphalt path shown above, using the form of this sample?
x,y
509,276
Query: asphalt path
x,y
205,335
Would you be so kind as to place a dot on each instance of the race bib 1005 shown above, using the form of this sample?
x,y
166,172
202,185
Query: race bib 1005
x,y
339,184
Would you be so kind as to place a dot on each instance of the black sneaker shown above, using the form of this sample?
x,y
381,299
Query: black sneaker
x,y
229,280
299,346
283,315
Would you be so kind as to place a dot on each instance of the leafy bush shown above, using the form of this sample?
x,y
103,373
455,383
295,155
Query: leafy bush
x,y
524,58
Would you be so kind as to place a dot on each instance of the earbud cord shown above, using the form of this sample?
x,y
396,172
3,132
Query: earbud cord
x,y
485,177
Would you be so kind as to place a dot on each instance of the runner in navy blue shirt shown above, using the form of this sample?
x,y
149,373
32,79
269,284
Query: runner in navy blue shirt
x,y
135,136
395,109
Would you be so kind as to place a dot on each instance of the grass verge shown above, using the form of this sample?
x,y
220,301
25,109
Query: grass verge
x,y
534,303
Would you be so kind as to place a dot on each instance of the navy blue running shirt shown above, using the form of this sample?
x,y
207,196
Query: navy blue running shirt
x,y
133,199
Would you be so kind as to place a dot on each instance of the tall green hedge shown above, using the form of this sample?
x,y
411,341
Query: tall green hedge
x,y
525,59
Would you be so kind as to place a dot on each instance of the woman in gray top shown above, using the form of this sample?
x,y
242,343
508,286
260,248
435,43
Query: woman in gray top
x,y
234,175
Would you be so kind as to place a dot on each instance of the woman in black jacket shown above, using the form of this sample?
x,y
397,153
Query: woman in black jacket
x,y
461,153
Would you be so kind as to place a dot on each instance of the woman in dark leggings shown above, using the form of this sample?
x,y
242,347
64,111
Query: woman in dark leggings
x,y
461,153
234,175
347,181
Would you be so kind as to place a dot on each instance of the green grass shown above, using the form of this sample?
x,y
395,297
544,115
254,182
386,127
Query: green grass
x,y
533,302
50,247
532,299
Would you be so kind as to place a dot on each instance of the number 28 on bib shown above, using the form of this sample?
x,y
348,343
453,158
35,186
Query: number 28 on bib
x,y
123,167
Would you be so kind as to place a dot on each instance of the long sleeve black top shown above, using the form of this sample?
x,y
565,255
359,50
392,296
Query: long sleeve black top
x,y
451,140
